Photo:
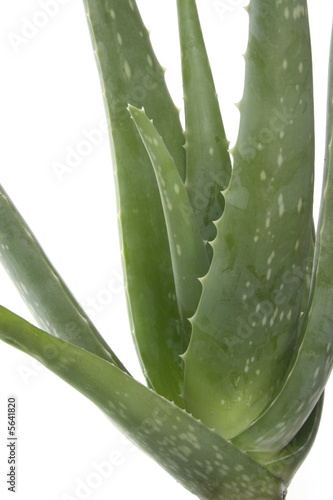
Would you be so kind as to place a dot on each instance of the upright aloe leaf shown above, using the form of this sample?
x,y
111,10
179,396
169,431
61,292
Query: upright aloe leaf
x,y
245,329
130,73
39,284
188,253
208,164
312,363
201,460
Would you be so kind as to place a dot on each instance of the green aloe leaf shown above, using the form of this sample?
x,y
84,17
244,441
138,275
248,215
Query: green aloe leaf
x,y
286,462
47,296
188,252
201,460
312,363
208,165
130,73
245,330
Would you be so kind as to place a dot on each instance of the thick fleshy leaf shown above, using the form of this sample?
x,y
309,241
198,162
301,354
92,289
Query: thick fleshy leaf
x,y
188,253
245,330
312,363
130,73
208,165
286,462
196,456
41,287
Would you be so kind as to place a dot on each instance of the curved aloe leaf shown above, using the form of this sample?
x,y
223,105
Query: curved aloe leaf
x,y
313,360
188,252
39,284
208,165
130,73
245,329
286,462
196,456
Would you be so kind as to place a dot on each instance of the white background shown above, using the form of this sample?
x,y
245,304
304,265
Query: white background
x,y
50,95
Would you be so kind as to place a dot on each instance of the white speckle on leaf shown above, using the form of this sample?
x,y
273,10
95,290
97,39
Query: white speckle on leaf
x,y
178,249
281,134
299,205
268,222
286,13
280,159
150,61
297,245
176,188
169,205
301,406
285,64
273,318
113,14
298,12
120,40
211,151
127,70
269,274
281,204
255,239
281,425
131,4
263,175
289,314
239,468
300,67
270,258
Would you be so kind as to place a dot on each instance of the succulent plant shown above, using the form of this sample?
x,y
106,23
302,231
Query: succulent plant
x,y
229,285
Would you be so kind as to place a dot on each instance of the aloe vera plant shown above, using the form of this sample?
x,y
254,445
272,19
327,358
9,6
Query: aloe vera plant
x,y
229,285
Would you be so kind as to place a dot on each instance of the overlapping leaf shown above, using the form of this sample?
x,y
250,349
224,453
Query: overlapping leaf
x,y
188,253
245,329
44,291
312,363
130,73
208,165
196,456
